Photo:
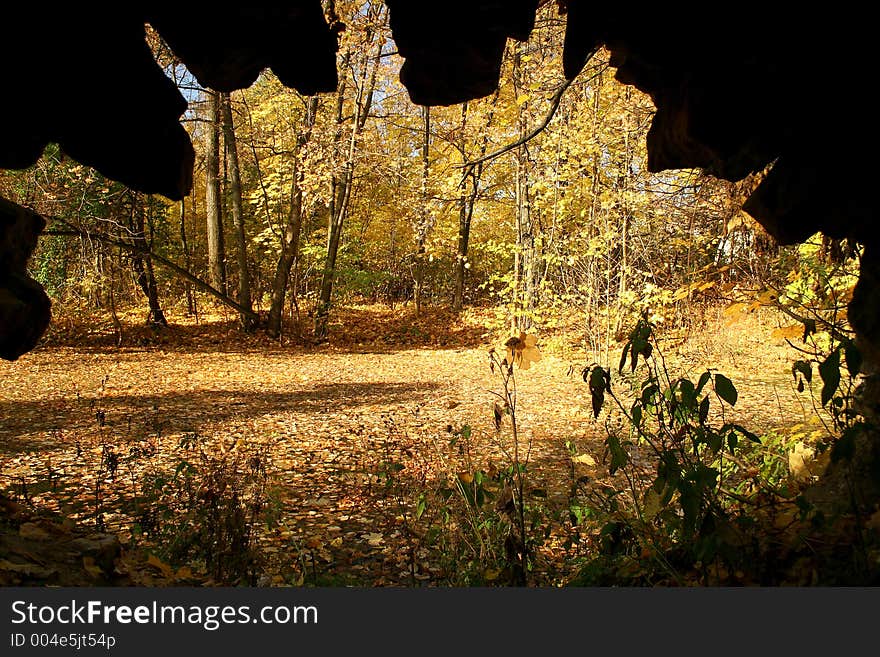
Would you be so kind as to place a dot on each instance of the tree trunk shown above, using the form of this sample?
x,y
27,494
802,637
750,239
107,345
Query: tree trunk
x,y
292,230
465,213
424,221
143,264
187,260
467,202
216,255
525,288
244,279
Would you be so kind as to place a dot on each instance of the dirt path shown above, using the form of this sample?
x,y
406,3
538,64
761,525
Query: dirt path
x,y
331,419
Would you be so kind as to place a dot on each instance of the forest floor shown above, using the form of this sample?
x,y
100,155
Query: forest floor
x,y
346,436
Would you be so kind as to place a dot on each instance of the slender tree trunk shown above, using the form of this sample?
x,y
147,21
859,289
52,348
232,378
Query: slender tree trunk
x,y
213,210
465,213
525,293
424,221
187,259
467,202
292,230
143,264
341,187
622,266
334,221
244,278
595,208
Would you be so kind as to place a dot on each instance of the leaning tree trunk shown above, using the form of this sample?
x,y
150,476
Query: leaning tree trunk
x,y
244,279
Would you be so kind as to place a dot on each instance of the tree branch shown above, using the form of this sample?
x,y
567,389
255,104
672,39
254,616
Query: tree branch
x,y
180,271
554,106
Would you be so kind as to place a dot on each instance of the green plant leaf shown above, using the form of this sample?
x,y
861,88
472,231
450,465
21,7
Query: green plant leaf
x,y
704,379
725,389
688,393
731,441
619,457
745,432
637,415
648,393
853,358
704,410
829,370
626,348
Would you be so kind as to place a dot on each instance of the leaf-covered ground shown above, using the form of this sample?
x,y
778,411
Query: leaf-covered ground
x,y
351,432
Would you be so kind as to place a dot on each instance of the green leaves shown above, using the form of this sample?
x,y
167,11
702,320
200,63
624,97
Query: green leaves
x,y
853,358
829,371
725,389
619,456
639,344
704,410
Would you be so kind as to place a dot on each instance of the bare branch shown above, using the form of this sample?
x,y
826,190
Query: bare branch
x,y
554,106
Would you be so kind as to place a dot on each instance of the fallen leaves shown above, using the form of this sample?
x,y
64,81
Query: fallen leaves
x,y
584,459
522,352
354,435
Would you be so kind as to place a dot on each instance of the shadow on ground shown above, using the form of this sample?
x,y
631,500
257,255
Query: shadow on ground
x,y
190,411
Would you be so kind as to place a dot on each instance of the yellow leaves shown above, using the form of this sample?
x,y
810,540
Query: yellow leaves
x,y
522,352
799,459
183,573
161,566
653,504
741,218
167,570
789,332
765,298
585,459
805,462
522,99
736,310
697,286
